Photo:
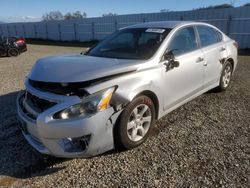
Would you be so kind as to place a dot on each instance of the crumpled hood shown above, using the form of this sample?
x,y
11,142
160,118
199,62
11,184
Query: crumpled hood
x,y
79,68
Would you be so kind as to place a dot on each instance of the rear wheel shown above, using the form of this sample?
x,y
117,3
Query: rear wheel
x,y
135,123
13,52
225,76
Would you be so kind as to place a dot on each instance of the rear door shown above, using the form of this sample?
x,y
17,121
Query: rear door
x,y
184,81
214,50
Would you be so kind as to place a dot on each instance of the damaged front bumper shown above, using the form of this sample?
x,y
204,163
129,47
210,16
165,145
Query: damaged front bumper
x,y
77,137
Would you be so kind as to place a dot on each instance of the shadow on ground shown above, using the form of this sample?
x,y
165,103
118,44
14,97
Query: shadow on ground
x,y
17,158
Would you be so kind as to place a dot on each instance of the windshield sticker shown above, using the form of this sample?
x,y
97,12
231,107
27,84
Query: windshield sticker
x,y
155,30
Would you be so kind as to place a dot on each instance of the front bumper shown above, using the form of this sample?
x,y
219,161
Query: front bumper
x,y
78,137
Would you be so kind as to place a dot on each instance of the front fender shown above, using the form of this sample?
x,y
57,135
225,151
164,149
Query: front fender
x,y
129,86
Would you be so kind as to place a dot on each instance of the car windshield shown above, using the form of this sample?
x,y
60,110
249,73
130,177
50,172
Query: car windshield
x,y
133,43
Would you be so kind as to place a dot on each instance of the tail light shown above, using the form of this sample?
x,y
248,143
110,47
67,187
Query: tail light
x,y
235,44
20,41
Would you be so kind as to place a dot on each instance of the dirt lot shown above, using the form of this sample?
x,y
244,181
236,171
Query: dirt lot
x,y
205,143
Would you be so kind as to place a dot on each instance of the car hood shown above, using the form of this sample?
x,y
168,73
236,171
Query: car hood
x,y
79,68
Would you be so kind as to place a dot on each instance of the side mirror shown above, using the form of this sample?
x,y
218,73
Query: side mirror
x,y
171,62
168,55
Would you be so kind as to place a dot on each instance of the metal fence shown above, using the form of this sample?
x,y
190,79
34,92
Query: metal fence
x,y
233,21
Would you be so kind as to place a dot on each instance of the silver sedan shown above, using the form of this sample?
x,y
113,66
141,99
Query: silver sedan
x,y
81,105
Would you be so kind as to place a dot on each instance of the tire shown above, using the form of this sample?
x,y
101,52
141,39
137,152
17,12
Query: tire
x,y
135,123
226,76
13,52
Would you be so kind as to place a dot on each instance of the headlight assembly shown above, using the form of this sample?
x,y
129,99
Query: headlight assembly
x,y
90,105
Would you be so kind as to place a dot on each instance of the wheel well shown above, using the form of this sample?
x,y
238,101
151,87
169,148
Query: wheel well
x,y
154,98
231,61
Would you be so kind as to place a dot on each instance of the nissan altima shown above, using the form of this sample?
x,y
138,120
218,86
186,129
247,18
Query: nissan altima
x,y
81,105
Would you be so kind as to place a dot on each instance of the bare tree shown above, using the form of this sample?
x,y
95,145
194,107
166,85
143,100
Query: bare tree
x,y
75,15
246,5
68,16
53,15
232,2
79,15
57,15
164,10
109,14
222,6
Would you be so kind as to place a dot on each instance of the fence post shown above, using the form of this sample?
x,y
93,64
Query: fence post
x,y
116,25
93,30
8,31
60,32
35,31
24,31
46,30
1,30
229,21
15,30
75,32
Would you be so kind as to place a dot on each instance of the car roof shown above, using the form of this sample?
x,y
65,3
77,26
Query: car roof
x,y
162,24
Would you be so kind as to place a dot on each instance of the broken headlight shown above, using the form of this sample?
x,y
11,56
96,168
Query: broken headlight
x,y
90,105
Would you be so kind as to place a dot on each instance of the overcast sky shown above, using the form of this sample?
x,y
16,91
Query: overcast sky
x,y
32,10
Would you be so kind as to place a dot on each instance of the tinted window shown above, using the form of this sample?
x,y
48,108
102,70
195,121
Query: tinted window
x,y
184,41
208,35
136,43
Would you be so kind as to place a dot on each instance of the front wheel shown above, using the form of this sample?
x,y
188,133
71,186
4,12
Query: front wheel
x,y
225,76
135,122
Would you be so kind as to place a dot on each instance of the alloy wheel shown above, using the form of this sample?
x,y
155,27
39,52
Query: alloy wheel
x,y
226,76
139,122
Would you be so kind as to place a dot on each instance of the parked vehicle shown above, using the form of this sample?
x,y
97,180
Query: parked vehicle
x,y
84,105
12,46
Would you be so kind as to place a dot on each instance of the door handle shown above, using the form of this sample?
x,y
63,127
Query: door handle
x,y
200,59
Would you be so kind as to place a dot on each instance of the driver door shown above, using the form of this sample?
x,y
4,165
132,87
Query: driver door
x,y
183,82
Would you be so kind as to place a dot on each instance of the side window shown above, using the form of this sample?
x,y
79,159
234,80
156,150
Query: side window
x,y
183,41
208,35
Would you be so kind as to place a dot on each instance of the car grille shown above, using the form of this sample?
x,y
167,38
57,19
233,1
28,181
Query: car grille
x,y
32,105
67,89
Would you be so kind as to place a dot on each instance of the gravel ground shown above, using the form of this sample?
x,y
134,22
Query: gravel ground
x,y
205,143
